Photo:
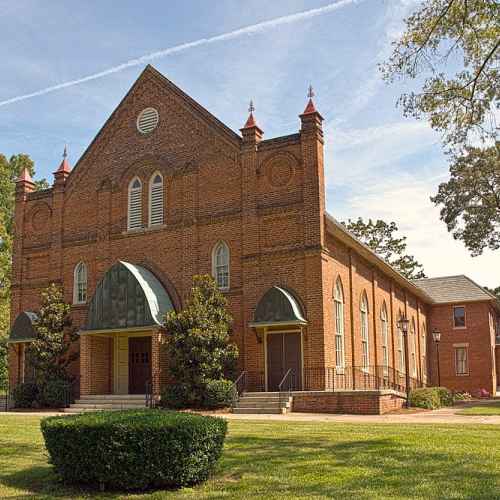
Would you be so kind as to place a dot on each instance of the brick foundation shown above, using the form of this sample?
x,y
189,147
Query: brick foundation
x,y
354,402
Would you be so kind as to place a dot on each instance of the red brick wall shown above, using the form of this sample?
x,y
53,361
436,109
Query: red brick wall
x,y
478,338
354,402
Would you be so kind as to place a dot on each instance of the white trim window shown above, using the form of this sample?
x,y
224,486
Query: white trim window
x,y
80,284
401,348
365,353
134,216
461,361
220,265
423,348
156,200
413,336
385,338
338,299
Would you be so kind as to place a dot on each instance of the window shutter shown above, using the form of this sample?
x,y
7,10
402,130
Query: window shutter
x,y
156,202
135,208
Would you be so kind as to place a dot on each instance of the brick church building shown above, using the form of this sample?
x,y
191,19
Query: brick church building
x,y
166,191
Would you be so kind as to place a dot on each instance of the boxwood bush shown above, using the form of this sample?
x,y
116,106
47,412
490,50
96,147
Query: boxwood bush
x,y
431,397
26,395
219,394
134,449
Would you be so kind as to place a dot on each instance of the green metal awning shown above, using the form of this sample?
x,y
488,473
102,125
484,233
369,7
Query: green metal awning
x,y
278,307
23,329
128,296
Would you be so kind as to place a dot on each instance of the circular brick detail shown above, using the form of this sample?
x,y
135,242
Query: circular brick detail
x,y
280,172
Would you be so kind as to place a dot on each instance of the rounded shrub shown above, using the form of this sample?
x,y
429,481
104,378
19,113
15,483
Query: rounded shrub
x,y
135,449
26,395
55,393
425,397
445,396
219,394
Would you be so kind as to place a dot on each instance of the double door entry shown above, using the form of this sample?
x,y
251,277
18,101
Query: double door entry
x,y
284,352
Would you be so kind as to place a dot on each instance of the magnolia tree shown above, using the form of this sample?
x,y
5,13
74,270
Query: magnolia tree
x,y
201,356
50,354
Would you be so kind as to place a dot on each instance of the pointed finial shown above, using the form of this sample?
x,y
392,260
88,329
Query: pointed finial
x,y
310,108
310,92
65,152
64,167
251,120
251,107
25,176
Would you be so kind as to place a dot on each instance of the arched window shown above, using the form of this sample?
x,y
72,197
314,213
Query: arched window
x,y
413,338
134,204
156,205
364,332
423,348
220,265
401,346
80,284
385,338
338,299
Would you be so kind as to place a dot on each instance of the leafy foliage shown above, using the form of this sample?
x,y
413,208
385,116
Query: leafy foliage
x,y
50,353
3,365
431,397
134,449
198,342
443,34
9,172
219,394
494,291
470,199
379,236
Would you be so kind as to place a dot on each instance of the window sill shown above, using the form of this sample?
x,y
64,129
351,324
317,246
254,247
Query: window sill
x,y
143,230
459,328
78,305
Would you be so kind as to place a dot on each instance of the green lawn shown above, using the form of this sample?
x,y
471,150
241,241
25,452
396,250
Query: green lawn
x,y
299,460
492,408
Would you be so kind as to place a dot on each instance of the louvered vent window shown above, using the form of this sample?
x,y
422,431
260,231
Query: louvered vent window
x,y
147,120
156,200
135,205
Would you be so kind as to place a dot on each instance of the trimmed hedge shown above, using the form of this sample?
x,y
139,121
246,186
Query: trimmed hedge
x,y
431,398
134,449
26,395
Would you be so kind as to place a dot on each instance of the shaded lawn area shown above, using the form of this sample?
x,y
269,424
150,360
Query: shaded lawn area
x,y
489,408
298,460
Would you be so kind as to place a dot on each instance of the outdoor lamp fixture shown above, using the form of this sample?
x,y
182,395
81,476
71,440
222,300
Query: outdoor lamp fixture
x,y
403,325
436,336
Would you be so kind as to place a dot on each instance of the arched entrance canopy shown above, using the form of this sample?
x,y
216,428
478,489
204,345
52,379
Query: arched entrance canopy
x,y
23,329
278,307
128,296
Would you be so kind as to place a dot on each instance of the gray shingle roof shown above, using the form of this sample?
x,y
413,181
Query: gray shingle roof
x,y
453,289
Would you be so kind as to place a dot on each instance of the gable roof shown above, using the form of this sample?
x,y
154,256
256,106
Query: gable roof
x,y
451,289
339,231
203,113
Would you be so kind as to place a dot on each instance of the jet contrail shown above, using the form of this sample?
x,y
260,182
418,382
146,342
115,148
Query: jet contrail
x,y
247,30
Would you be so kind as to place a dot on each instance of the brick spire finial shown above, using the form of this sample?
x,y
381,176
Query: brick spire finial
x,y
310,108
251,120
25,176
64,167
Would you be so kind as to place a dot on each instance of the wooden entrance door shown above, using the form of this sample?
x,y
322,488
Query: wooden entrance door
x,y
283,352
139,364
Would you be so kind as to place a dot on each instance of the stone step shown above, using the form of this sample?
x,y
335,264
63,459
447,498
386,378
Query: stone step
x,y
252,394
134,402
250,411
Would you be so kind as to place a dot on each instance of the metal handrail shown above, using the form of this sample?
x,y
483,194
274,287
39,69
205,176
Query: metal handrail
x,y
288,376
236,383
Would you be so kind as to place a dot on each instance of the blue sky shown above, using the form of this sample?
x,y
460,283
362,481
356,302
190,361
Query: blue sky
x,y
378,164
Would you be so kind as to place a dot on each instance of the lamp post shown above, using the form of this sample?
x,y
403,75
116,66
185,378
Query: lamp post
x,y
436,336
403,325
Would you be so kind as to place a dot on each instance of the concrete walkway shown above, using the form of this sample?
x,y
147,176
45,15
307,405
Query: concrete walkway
x,y
442,416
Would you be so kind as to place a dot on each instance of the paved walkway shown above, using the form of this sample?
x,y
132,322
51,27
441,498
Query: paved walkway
x,y
442,416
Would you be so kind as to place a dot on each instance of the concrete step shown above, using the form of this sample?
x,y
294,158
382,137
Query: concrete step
x,y
253,411
134,402
115,396
107,406
88,408
253,394
243,403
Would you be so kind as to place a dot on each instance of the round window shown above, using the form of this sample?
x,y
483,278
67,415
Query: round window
x,y
147,120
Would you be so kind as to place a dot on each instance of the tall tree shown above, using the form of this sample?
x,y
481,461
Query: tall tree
x,y
50,353
494,291
471,198
380,237
453,47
